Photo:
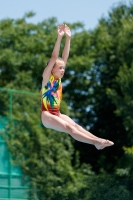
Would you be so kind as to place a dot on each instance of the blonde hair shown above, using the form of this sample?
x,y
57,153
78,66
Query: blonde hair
x,y
59,58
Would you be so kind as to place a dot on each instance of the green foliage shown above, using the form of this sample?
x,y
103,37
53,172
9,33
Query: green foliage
x,y
98,87
46,157
111,187
99,90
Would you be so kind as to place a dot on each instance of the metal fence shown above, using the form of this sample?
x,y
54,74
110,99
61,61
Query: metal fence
x,y
12,185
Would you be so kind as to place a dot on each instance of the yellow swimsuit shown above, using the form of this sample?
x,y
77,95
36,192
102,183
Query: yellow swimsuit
x,y
52,95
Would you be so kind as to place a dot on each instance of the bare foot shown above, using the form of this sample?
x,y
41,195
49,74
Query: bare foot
x,y
103,143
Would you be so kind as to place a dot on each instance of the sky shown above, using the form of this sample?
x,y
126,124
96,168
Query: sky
x,y
86,11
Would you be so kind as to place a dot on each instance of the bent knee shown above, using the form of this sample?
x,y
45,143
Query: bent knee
x,y
70,128
76,126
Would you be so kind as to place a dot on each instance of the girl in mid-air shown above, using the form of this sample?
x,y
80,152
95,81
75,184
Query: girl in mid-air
x,y
52,93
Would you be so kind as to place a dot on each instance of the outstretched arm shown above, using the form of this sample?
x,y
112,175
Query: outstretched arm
x,y
54,56
66,49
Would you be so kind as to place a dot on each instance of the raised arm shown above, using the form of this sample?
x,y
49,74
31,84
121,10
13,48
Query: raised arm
x,y
54,56
66,49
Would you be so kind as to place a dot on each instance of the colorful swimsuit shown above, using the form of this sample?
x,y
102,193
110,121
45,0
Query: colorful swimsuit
x,y
51,96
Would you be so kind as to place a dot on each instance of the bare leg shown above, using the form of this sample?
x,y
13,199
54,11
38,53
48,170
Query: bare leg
x,y
56,123
81,129
78,127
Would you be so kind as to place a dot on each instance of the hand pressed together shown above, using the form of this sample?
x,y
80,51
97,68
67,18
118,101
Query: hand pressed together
x,y
64,29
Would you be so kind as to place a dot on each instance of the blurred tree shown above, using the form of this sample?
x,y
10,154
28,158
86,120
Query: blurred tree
x,y
97,90
113,47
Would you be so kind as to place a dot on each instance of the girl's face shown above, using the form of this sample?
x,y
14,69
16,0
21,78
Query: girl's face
x,y
58,69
